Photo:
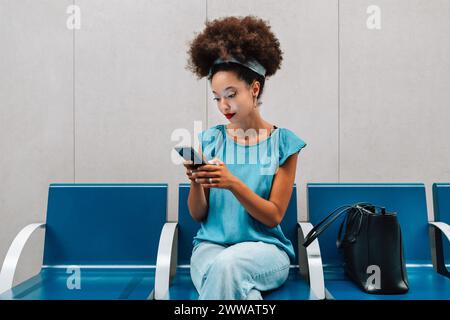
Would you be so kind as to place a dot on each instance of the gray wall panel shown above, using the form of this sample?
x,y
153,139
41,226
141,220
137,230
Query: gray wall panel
x,y
395,92
36,127
132,90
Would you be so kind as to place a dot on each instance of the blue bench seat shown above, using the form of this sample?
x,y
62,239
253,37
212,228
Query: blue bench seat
x,y
409,202
108,232
96,284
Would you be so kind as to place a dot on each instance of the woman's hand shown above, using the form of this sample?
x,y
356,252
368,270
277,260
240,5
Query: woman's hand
x,y
188,164
214,175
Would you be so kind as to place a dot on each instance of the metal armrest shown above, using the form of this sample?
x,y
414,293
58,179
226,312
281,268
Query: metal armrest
x,y
437,251
13,255
166,262
310,262
443,227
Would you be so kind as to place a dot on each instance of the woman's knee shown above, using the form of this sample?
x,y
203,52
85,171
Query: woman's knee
x,y
225,262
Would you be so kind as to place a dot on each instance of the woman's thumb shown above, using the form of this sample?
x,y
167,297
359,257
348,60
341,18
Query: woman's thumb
x,y
215,161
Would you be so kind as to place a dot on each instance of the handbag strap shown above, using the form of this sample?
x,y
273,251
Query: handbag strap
x,y
326,222
339,237
323,225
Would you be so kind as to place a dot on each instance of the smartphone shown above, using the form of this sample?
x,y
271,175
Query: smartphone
x,y
189,153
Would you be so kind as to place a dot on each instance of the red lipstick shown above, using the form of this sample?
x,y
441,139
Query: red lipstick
x,y
229,115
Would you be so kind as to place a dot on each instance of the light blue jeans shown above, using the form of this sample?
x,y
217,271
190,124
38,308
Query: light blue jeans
x,y
237,272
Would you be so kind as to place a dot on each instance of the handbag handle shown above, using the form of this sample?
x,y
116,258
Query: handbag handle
x,y
339,237
318,229
325,223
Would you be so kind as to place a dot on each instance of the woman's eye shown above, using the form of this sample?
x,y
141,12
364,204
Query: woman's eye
x,y
228,97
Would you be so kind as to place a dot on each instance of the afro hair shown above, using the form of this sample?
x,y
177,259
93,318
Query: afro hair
x,y
241,37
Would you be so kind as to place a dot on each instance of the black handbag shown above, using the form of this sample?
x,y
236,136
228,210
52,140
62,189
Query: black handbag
x,y
371,247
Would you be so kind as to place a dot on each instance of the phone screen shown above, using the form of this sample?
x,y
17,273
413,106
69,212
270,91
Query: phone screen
x,y
189,153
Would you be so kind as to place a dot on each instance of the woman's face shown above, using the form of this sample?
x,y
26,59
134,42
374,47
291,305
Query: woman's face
x,y
235,99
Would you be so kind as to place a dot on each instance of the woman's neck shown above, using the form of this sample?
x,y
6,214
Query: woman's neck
x,y
253,121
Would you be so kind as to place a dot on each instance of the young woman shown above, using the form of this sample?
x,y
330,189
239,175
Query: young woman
x,y
240,197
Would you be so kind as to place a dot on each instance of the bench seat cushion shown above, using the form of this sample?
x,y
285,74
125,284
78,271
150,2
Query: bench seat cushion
x,y
95,284
424,284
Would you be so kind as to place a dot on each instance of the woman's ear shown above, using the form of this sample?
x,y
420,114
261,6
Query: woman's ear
x,y
255,91
255,87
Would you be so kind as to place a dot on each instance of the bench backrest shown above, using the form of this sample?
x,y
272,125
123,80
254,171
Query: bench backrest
x,y
188,227
104,224
407,199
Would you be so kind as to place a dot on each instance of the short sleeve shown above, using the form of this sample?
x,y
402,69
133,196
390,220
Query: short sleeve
x,y
290,143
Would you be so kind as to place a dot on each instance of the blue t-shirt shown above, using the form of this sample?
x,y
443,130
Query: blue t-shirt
x,y
227,221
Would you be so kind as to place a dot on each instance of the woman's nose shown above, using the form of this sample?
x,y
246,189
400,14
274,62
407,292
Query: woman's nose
x,y
223,104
